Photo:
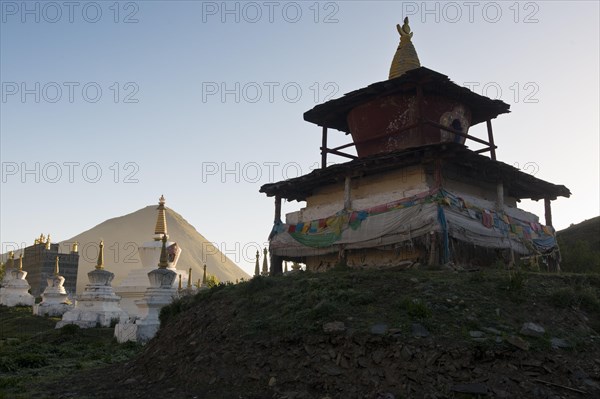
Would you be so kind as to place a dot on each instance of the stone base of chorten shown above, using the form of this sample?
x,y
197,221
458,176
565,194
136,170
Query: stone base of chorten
x,y
16,295
52,309
143,330
98,306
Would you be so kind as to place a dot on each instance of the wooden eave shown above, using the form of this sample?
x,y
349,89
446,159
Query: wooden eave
x,y
472,166
334,113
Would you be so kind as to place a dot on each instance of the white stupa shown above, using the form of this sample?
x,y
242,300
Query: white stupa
x,y
55,301
160,293
133,287
15,288
97,305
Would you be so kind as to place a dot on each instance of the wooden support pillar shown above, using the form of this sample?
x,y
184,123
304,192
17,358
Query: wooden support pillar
x,y
491,139
277,209
500,196
276,265
347,193
324,149
548,211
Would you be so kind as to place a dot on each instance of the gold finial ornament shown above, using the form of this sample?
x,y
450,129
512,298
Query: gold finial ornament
x,y
100,263
180,282
189,284
48,242
406,57
11,260
163,263
56,270
204,276
161,221
75,247
21,261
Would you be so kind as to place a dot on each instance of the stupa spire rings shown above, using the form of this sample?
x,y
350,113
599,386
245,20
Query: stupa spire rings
x,y
21,261
163,263
56,269
161,221
100,262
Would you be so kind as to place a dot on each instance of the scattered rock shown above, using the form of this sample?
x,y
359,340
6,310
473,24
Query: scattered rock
x,y
532,330
417,330
379,329
414,280
591,383
476,334
492,330
579,374
559,343
518,342
334,326
475,388
272,381
378,356
332,370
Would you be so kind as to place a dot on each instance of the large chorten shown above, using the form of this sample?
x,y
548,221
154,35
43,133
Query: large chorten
x,y
15,288
97,305
160,293
133,287
55,301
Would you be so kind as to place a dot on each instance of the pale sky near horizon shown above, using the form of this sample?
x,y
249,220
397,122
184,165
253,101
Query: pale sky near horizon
x,y
107,105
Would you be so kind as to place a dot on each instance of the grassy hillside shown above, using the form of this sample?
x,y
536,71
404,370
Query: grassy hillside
x,y
367,334
580,247
32,352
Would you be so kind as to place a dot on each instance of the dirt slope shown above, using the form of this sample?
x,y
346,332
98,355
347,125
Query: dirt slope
x,y
413,334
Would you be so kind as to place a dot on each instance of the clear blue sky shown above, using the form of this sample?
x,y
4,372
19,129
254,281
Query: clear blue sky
x,y
203,101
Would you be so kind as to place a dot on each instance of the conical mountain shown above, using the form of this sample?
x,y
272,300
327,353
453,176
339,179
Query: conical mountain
x,y
125,234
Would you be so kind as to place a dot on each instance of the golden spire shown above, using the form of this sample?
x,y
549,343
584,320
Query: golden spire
x,y
100,263
21,261
48,242
204,276
161,221
265,266
180,282
189,284
11,260
56,267
257,265
75,247
406,57
163,263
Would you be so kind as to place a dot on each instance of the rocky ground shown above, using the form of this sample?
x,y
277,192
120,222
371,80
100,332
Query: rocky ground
x,y
357,334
